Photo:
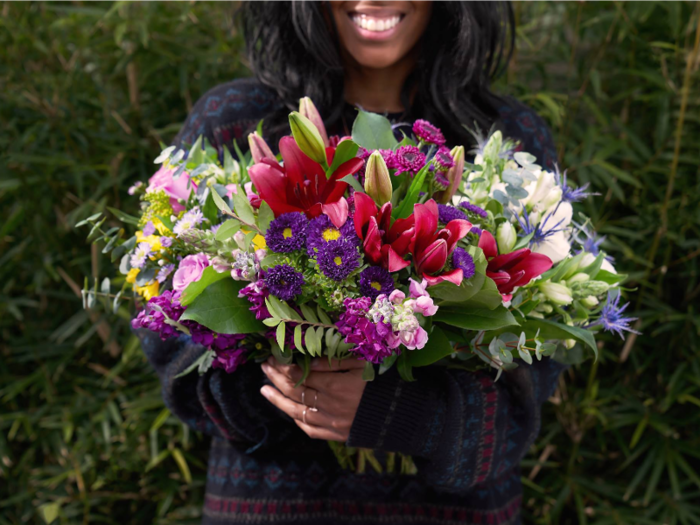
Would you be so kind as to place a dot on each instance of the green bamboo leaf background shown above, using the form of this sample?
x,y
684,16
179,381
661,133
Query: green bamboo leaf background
x,y
88,93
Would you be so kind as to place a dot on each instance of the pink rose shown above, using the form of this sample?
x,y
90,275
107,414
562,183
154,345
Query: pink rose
x,y
189,271
414,340
175,188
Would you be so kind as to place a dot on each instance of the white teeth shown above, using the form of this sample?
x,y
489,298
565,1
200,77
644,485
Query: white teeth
x,y
376,25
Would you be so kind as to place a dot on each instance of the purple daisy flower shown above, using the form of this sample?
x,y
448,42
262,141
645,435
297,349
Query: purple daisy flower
x,y
473,208
338,259
287,233
443,159
409,159
164,272
166,242
447,213
375,281
284,282
462,260
321,231
189,220
428,133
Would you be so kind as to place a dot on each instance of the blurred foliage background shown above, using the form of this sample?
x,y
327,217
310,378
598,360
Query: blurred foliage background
x,y
88,91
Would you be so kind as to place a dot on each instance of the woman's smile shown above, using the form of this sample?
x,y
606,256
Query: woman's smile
x,y
375,25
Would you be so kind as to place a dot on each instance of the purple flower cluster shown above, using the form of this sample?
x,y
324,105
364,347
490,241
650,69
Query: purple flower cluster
x,y
463,261
230,359
338,259
409,159
358,330
256,293
473,208
443,159
428,133
447,213
287,233
321,232
388,156
164,306
375,281
284,281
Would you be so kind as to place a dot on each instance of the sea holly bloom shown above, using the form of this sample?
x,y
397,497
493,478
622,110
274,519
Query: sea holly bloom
x,y
612,319
287,233
383,244
428,133
431,247
176,189
300,185
511,269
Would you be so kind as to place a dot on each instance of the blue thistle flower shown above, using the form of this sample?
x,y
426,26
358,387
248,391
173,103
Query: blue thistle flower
x,y
611,318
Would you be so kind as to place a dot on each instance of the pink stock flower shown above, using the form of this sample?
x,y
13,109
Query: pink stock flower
x,y
189,271
179,188
423,303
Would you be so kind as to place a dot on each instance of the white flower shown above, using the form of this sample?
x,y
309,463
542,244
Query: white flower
x,y
555,246
556,292
506,237
588,259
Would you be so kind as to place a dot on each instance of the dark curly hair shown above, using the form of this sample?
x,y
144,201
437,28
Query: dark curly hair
x,y
293,50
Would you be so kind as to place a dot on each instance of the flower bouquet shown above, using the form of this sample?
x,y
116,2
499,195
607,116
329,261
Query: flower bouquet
x,y
398,253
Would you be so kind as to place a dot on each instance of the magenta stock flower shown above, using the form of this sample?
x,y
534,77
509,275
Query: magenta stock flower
x,y
409,159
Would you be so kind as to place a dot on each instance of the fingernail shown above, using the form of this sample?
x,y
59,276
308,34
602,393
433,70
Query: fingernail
x,y
264,392
265,368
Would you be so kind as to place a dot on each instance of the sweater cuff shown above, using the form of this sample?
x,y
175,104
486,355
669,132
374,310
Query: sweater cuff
x,y
396,415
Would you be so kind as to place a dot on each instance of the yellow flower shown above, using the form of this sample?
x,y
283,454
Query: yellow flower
x,y
131,276
148,291
162,228
153,240
259,242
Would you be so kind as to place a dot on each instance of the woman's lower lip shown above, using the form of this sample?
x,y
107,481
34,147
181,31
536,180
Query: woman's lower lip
x,y
375,35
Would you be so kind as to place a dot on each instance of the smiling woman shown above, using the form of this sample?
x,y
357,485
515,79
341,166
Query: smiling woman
x,y
466,433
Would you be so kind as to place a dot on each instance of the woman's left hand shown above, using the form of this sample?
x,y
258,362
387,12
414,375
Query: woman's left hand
x,y
325,405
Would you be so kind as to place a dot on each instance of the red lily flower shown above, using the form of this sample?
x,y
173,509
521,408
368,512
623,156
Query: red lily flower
x,y
382,244
431,247
300,185
511,269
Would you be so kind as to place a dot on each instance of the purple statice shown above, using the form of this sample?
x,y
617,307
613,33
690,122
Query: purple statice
x,y
230,359
428,133
443,159
165,272
374,281
149,229
287,233
141,254
256,293
321,231
570,194
157,311
473,208
189,220
284,281
463,261
447,213
166,242
338,259
409,159
611,318
476,231
362,332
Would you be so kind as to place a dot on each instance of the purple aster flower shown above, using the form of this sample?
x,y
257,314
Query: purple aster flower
x,y
140,255
374,281
338,259
473,208
443,159
149,229
358,330
189,220
428,133
409,159
462,260
256,293
284,281
611,318
447,213
164,272
287,233
476,231
321,231
166,242
230,359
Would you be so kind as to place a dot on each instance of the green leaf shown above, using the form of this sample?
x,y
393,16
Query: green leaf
x,y
196,364
404,367
210,209
280,334
372,131
451,293
124,217
297,338
345,151
265,217
227,230
609,277
209,276
437,347
475,318
243,208
49,512
559,332
220,203
220,309
352,180
368,372
406,207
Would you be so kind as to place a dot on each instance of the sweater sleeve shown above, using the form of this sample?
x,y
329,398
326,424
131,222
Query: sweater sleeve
x,y
462,428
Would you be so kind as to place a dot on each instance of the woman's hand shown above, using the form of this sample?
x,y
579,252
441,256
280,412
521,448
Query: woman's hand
x,y
330,395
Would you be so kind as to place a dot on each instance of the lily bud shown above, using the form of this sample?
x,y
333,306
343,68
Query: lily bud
x,y
506,237
454,175
578,278
307,109
590,301
556,293
307,137
259,148
377,179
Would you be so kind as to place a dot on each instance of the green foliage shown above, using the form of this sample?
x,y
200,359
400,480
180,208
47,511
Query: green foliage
x,y
89,92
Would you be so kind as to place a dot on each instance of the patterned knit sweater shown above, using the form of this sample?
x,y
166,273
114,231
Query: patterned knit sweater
x,y
466,433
